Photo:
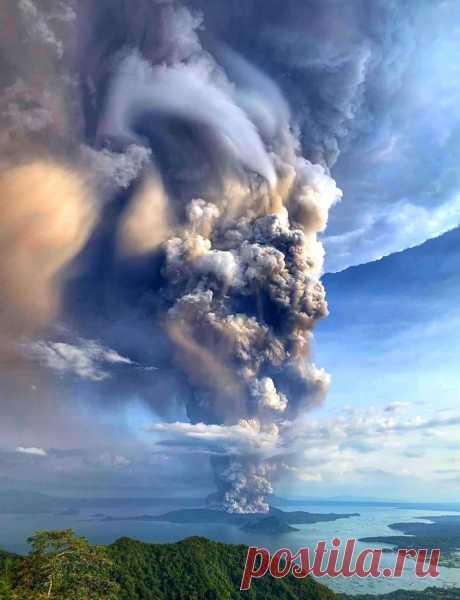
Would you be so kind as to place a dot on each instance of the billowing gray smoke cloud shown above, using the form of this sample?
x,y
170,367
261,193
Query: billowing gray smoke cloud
x,y
242,261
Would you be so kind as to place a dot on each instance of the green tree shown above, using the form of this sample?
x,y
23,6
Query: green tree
x,y
6,567
5,590
63,566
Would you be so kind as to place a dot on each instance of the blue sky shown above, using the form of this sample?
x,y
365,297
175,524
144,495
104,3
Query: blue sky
x,y
391,345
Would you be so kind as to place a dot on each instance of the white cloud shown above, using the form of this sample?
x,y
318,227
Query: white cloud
x,y
87,359
38,26
349,448
388,230
31,451
368,425
309,476
345,449
248,436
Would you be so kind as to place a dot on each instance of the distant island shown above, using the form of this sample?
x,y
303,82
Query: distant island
x,y
441,532
274,522
269,526
428,594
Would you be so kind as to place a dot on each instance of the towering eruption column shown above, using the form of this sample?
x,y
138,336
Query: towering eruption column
x,y
241,255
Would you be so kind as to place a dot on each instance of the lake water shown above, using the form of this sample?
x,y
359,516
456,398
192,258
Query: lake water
x,y
14,530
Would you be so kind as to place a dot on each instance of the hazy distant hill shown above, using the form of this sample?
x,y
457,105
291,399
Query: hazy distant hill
x,y
269,526
428,594
399,320
380,285
28,502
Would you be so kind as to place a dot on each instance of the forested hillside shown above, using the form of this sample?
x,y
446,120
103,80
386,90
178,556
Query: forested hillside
x,y
62,566
197,569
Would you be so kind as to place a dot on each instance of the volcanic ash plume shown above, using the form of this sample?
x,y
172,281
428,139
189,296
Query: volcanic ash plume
x,y
47,216
242,264
245,298
210,227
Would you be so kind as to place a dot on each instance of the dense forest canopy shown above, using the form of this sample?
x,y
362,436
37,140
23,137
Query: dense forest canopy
x,y
62,566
